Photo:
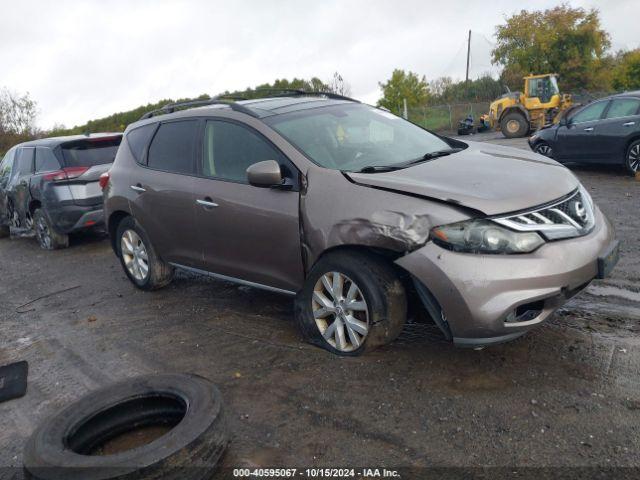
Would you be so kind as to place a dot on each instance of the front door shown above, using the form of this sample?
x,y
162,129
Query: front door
x,y
247,233
577,140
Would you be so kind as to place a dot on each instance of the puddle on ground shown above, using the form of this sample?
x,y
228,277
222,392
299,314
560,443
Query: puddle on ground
x,y
606,291
131,439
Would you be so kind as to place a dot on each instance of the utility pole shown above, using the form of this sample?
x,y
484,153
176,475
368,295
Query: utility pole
x,y
468,55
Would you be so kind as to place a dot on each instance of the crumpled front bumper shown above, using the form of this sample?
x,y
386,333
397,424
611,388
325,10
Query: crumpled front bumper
x,y
479,294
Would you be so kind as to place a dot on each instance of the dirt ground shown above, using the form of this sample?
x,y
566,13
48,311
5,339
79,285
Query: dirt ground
x,y
567,394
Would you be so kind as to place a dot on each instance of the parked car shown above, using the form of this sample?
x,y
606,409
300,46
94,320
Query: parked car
x,y
604,131
358,214
52,186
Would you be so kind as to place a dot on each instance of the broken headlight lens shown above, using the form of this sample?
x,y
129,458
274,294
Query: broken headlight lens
x,y
484,236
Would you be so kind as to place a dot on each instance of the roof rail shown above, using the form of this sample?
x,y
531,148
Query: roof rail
x,y
172,107
290,92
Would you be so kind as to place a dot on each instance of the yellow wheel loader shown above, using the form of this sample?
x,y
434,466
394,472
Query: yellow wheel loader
x,y
541,103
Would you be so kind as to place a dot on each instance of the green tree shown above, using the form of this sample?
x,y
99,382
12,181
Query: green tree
x,y
626,72
403,85
17,119
563,40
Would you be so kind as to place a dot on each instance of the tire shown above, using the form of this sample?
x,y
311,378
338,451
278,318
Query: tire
x,y
68,444
5,231
379,291
153,272
632,158
543,148
514,125
47,237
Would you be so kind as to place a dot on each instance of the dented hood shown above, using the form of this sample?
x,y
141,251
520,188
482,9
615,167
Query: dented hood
x,y
489,178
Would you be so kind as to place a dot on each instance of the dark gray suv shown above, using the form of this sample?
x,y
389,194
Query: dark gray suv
x,y
52,186
357,213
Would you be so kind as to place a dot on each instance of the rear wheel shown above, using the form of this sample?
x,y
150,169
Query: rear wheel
x,y
47,237
632,160
140,262
352,302
514,125
544,148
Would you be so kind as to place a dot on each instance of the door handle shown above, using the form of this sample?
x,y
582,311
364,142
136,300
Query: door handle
x,y
629,124
588,129
207,203
138,188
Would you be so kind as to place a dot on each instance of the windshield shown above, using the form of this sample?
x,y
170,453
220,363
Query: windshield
x,y
354,136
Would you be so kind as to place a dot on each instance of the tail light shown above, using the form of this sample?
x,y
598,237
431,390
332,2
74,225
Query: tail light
x,y
65,174
104,180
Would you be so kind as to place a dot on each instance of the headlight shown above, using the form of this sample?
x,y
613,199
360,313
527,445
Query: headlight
x,y
484,236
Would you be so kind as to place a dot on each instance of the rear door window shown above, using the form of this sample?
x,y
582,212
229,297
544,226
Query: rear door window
x,y
623,107
138,140
46,161
173,147
590,113
24,162
90,152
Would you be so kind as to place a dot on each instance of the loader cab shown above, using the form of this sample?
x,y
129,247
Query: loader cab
x,y
541,91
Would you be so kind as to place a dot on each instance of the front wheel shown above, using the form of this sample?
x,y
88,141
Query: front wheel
x,y
544,149
140,262
632,160
47,237
351,302
514,125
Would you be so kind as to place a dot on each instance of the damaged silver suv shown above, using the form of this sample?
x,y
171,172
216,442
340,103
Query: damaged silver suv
x,y
357,213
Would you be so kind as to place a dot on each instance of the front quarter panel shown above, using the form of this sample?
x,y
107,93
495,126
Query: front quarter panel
x,y
336,212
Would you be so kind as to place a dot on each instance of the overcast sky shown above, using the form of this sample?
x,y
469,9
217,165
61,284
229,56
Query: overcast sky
x,y
86,59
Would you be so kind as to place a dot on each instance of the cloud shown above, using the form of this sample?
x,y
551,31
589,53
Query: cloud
x,y
83,60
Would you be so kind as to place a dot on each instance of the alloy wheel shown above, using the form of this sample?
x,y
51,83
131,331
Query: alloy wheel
x,y
633,159
42,233
340,311
544,149
134,255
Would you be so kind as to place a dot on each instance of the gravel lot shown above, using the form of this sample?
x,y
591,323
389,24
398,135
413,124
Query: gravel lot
x,y
567,394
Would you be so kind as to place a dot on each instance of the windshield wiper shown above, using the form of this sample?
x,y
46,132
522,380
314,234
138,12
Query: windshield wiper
x,y
432,155
399,166
378,168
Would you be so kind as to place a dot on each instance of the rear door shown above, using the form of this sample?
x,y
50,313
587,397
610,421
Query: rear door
x,y
246,232
621,122
18,191
83,162
163,185
576,140
5,175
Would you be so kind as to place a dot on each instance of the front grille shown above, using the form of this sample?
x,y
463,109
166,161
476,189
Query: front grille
x,y
568,217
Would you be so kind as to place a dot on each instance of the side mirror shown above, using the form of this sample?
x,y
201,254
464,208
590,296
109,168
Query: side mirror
x,y
264,174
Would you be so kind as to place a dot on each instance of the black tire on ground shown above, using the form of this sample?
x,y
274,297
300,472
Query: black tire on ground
x,y
543,148
62,446
46,235
381,289
632,158
5,231
514,125
159,272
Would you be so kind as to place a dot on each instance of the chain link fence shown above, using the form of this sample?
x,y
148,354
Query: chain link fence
x,y
445,118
